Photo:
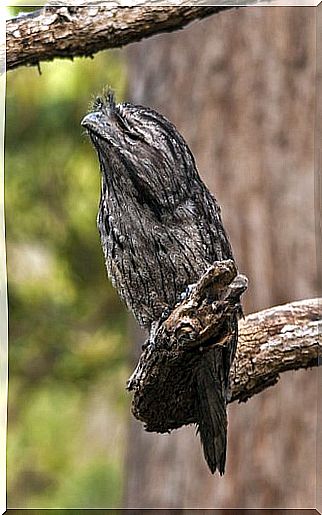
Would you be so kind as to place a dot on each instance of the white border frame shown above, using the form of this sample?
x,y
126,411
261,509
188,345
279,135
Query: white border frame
x,y
3,279
3,272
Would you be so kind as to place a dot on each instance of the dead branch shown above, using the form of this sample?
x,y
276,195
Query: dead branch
x,y
275,340
82,30
281,338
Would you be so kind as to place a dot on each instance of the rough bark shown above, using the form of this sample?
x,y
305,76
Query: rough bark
x,y
275,340
72,31
272,341
165,381
240,87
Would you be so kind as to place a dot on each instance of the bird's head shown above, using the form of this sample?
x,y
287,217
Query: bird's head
x,y
137,144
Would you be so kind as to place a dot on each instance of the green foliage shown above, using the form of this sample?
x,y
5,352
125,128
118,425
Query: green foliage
x,y
15,10
67,327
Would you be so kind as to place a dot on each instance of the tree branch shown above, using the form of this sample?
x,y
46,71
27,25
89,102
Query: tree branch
x,y
281,338
70,31
275,340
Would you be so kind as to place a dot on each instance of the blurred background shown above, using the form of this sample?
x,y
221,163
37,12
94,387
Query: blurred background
x,y
240,87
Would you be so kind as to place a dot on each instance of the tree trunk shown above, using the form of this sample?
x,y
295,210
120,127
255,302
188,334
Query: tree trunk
x,y
240,87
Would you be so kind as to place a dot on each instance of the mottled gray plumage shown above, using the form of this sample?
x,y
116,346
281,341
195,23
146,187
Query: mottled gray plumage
x,y
160,229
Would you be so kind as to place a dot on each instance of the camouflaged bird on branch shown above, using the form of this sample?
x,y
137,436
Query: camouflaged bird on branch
x,y
161,230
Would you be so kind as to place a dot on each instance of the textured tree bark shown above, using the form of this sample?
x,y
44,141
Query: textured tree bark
x,y
275,340
168,369
272,341
71,31
240,87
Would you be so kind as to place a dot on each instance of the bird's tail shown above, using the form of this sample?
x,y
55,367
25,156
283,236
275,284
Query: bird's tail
x,y
211,385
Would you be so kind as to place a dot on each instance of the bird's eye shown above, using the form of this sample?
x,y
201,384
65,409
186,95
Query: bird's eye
x,y
133,136
125,127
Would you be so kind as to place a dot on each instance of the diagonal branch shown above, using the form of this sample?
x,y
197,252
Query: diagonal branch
x,y
83,30
281,338
272,341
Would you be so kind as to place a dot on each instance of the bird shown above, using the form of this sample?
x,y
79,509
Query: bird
x,y
160,229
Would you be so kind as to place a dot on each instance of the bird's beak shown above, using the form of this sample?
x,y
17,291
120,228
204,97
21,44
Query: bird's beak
x,y
92,121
